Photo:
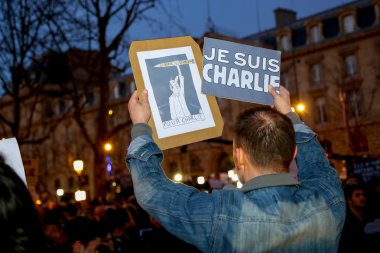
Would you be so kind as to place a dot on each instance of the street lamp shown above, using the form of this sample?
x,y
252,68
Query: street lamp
x,y
78,166
60,192
108,146
80,195
201,180
300,107
178,177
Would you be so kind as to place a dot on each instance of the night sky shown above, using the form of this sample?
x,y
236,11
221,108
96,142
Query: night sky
x,y
236,18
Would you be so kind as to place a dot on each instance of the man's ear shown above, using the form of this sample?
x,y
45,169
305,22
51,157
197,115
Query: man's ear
x,y
295,152
239,157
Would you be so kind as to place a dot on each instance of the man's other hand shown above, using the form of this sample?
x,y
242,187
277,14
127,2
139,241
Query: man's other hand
x,y
139,109
282,100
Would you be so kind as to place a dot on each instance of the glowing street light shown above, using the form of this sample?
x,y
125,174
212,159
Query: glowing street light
x,y
80,195
300,107
60,192
110,112
200,180
78,166
108,146
178,177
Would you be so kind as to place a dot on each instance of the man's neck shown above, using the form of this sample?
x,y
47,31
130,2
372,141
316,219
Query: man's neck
x,y
253,172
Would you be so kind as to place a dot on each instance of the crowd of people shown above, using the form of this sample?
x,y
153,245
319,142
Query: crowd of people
x,y
278,210
99,226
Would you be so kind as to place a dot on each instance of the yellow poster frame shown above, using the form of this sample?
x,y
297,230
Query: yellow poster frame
x,y
168,43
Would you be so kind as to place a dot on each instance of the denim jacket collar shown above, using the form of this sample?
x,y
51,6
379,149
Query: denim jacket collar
x,y
263,181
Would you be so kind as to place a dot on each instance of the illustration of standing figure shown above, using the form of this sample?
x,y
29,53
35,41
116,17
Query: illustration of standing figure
x,y
177,102
178,107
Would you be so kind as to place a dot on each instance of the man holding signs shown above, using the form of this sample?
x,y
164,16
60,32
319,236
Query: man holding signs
x,y
272,212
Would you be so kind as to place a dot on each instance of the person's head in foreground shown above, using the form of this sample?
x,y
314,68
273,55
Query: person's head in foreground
x,y
20,226
264,143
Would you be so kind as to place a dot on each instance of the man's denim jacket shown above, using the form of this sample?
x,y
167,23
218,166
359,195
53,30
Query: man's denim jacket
x,y
271,213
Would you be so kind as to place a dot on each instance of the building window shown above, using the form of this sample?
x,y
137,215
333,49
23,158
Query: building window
x,y
353,103
57,184
122,89
61,106
316,74
285,80
320,109
196,163
285,42
350,64
348,24
116,91
69,134
173,167
71,183
315,34
114,120
48,110
91,98
359,141
132,87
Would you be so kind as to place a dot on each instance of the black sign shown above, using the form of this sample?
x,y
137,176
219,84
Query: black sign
x,y
367,169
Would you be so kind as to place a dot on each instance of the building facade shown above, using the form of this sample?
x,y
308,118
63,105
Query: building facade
x,y
56,113
331,63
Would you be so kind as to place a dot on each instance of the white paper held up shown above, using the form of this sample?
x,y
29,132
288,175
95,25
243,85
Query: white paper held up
x,y
10,150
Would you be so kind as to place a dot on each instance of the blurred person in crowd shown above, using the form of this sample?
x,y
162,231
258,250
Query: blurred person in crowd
x,y
20,226
113,222
70,211
106,237
101,209
354,237
374,196
138,218
53,224
155,238
85,235
214,182
272,212
138,221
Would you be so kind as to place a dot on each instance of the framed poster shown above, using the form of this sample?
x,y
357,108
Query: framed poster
x,y
170,70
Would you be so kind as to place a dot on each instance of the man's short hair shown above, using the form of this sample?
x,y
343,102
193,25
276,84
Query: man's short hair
x,y
349,189
267,137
